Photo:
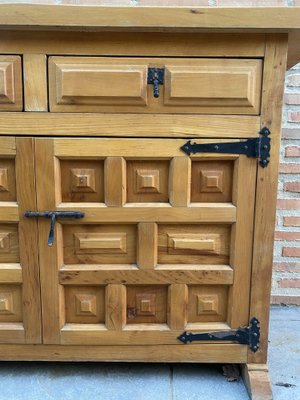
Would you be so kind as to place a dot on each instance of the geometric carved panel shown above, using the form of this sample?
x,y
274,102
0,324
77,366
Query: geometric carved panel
x,y
207,303
193,244
147,181
4,242
10,83
105,243
85,304
212,181
147,304
100,244
82,180
7,180
9,243
10,303
3,180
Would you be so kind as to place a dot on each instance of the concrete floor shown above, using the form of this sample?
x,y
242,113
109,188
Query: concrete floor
x,y
89,381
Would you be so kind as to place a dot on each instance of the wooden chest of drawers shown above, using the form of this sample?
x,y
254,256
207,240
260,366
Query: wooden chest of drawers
x,y
117,235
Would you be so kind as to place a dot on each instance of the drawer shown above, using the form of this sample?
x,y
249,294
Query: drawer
x,y
10,83
106,84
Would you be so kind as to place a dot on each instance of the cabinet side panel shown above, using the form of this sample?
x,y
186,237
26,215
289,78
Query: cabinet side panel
x,y
266,193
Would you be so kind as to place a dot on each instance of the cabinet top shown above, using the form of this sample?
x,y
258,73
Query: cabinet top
x,y
38,16
136,18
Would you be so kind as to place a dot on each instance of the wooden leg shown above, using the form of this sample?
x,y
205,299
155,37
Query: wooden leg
x,y
257,381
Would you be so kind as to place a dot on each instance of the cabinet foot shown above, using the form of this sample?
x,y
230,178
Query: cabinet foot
x,y
257,381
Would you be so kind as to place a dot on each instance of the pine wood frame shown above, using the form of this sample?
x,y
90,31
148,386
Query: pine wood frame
x,y
39,122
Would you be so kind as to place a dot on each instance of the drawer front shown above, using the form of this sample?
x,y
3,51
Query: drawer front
x,y
223,86
10,83
165,243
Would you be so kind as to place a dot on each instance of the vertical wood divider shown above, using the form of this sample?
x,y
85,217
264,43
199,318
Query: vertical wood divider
x,y
177,306
180,181
115,181
115,307
147,245
35,82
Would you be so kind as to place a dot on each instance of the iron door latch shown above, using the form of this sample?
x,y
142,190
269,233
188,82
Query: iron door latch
x,y
53,215
255,147
156,77
248,335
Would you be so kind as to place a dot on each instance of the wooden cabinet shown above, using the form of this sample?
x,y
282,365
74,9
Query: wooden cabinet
x,y
128,227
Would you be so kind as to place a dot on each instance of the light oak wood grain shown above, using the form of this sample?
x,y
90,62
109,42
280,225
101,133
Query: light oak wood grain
x,y
35,82
229,353
80,124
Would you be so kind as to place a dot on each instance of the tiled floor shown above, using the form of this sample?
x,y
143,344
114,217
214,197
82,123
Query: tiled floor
x,y
90,381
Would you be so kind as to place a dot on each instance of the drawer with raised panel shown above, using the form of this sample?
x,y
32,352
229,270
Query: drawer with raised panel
x,y
155,85
10,83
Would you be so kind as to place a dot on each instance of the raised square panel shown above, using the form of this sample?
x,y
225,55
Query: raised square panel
x,y
193,244
82,180
85,304
7,180
99,244
212,181
9,243
10,83
146,304
207,303
10,303
3,180
147,181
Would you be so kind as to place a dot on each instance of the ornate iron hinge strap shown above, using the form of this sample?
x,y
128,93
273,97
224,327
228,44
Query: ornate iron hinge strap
x,y
245,335
156,77
53,215
254,147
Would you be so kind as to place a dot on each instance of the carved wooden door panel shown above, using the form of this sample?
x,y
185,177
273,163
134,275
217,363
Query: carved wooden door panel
x,y
164,244
20,313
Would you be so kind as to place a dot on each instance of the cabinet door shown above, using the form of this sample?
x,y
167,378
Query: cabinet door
x,y
20,314
164,246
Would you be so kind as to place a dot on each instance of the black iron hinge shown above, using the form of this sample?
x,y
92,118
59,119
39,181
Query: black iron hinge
x,y
248,335
255,147
156,77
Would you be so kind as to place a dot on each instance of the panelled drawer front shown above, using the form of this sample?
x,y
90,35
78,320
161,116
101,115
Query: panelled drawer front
x,y
217,86
10,83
